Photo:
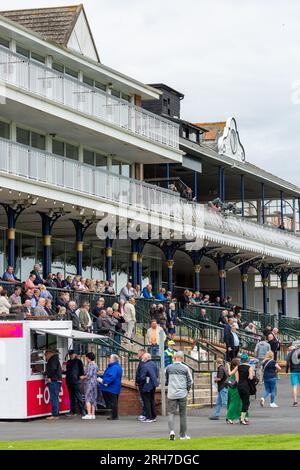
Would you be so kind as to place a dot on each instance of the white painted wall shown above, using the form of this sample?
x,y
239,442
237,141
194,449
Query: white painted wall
x,y
80,39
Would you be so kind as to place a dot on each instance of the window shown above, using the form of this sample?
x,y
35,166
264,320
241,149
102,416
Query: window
x,y
71,72
38,57
274,281
38,141
121,168
88,80
100,160
23,136
88,157
93,158
58,67
72,152
4,42
4,130
116,167
115,93
125,170
31,138
126,97
100,86
21,50
65,150
58,147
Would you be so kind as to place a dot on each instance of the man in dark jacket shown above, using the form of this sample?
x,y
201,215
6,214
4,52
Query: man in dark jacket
x,y
74,374
141,353
274,344
232,343
221,381
149,382
54,380
38,278
227,332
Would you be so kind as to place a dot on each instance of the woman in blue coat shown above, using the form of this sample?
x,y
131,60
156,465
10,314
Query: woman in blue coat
x,y
110,385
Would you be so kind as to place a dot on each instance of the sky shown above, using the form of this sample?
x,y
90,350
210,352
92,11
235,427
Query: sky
x,y
229,58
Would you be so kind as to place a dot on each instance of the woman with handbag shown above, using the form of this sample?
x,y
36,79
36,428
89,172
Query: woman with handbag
x,y
270,369
244,378
234,407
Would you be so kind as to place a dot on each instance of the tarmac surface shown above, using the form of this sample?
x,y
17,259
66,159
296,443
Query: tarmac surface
x,y
282,420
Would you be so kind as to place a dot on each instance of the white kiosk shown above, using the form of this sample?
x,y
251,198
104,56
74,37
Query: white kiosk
x,y
23,388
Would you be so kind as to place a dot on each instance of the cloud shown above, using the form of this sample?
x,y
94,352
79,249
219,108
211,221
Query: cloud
x,y
229,58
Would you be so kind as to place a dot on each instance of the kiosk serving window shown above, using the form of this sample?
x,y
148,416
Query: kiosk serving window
x,y
39,343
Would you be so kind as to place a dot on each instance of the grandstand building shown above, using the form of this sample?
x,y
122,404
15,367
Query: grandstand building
x,y
80,142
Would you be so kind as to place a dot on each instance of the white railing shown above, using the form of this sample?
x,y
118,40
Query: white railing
x,y
241,228
43,167
46,82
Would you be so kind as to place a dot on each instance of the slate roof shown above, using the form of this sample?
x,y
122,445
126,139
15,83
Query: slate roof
x,y
54,24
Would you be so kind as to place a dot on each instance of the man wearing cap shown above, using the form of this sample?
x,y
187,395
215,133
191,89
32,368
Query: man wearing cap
x,y
169,353
74,374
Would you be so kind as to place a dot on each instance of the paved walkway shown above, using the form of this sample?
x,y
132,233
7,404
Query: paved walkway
x,y
283,420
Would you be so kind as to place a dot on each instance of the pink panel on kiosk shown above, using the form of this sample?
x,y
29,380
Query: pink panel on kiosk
x,y
11,330
38,398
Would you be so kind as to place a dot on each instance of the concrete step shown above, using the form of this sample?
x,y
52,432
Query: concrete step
x,y
195,406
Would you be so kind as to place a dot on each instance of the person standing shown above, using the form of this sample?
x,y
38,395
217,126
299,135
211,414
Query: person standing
x,y
140,353
85,320
126,292
270,369
130,317
293,364
149,382
54,381
221,380
179,381
232,343
171,320
169,353
74,375
91,389
274,343
227,332
234,404
243,375
110,385
260,351
152,338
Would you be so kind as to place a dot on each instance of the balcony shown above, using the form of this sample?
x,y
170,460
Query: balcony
x,y
62,173
32,165
45,82
249,236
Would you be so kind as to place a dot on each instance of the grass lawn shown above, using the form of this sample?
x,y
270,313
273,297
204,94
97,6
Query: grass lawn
x,y
261,442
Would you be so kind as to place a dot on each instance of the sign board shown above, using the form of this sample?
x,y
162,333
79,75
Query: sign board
x,y
229,143
38,398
